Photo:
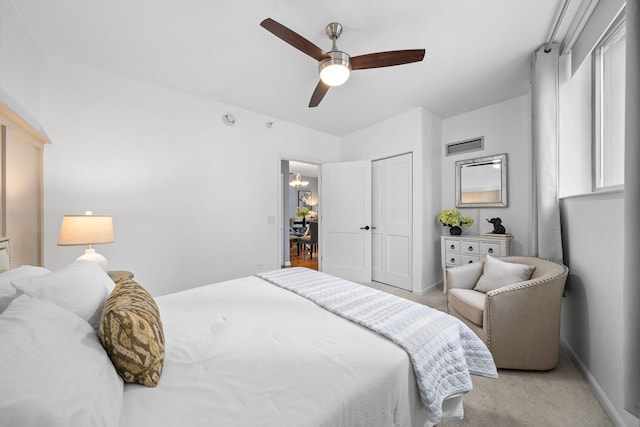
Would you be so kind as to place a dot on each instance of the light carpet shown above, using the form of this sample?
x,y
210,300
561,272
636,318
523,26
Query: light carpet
x,y
557,398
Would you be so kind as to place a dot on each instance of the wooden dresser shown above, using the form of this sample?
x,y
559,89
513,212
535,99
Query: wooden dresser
x,y
460,250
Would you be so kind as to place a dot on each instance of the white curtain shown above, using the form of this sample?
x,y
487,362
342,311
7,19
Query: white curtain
x,y
631,210
547,237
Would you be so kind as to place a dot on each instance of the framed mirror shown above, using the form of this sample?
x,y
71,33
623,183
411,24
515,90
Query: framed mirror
x,y
482,182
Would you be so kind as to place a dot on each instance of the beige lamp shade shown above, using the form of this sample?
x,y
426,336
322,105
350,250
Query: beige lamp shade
x,y
86,230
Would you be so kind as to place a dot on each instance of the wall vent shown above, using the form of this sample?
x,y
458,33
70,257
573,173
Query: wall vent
x,y
466,146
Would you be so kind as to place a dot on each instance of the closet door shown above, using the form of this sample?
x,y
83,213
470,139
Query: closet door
x,y
391,214
21,148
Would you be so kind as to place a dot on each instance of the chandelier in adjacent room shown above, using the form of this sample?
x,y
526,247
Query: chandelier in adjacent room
x,y
297,182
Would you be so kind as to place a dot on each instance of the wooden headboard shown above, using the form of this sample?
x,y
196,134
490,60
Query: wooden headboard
x,y
21,215
5,255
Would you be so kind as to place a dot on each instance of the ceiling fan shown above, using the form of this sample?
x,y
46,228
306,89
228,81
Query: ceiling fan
x,y
335,66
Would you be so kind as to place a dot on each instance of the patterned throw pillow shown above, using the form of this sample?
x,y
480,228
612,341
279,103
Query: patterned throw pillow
x,y
131,333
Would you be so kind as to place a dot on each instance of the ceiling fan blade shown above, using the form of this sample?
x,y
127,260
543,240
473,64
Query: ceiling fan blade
x,y
386,59
321,89
294,39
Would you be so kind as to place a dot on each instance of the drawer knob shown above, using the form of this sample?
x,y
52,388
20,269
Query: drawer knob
x,y
452,246
453,260
490,250
470,261
470,248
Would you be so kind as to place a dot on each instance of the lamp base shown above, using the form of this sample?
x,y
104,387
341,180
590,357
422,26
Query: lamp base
x,y
92,256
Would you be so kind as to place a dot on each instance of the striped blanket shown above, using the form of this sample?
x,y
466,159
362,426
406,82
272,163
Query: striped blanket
x,y
442,349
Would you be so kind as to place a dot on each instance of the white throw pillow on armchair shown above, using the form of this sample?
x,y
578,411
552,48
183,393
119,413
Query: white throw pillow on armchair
x,y
499,273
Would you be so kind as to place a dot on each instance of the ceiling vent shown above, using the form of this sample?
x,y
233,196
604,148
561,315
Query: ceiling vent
x,y
460,147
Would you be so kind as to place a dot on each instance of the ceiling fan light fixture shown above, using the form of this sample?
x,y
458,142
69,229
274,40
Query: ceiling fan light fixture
x,y
336,69
335,66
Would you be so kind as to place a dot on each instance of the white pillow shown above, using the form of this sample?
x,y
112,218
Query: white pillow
x,y
499,273
54,370
7,292
81,287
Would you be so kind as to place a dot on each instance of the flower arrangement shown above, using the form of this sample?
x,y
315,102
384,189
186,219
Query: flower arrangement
x,y
453,218
300,211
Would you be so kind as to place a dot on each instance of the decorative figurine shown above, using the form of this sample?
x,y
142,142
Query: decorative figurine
x,y
498,228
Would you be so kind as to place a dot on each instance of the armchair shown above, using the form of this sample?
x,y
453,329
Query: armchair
x,y
519,322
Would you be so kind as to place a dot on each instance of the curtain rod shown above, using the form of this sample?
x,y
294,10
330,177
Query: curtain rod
x,y
556,25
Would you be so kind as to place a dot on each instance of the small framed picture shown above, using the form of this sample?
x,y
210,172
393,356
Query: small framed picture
x,y
304,199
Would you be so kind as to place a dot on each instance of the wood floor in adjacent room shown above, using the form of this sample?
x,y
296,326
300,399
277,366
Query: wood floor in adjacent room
x,y
305,259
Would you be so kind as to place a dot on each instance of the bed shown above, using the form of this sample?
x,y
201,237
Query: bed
x,y
254,351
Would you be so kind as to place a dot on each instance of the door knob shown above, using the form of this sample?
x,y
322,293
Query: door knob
x,y
366,227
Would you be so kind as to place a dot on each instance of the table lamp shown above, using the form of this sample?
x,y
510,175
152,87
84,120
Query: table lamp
x,y
87,229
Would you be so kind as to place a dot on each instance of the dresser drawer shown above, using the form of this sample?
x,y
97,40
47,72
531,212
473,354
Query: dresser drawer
x,y
469,247
452,259
452,245
469,259
490,248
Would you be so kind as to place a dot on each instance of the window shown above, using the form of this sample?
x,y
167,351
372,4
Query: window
x,y
609,108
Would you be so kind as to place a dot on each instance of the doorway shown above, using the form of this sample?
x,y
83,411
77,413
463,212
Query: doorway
x,y
300,218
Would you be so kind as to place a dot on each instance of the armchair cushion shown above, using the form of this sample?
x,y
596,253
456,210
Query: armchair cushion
x,y
468,303
499,273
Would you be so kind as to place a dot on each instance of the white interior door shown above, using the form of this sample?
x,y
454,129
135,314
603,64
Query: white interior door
x,y
346,220
392,220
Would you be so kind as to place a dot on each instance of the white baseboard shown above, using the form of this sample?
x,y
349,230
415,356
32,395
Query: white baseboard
x,y
598,391
427,289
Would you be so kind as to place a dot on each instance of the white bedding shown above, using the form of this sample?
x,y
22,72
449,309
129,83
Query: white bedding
x,y
442,349
247,353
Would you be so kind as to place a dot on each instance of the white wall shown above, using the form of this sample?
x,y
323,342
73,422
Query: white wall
x,y
592,308
592,228
20,67
430,197
506,128
194,201
417,131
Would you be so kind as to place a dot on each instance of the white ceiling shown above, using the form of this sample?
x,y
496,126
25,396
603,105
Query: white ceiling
x,y
477,52
304,169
